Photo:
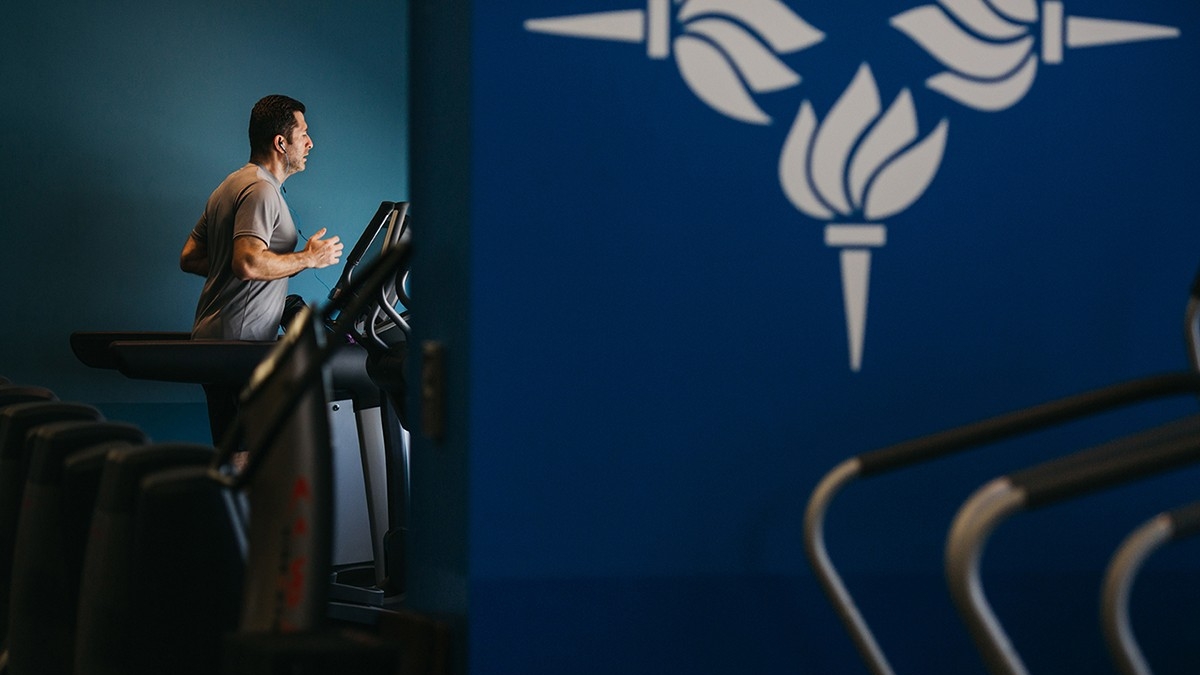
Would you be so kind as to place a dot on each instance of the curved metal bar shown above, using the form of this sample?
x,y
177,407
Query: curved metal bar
x,y
1105,466
371,324
961,438
945,443
1025,420
831,581
1118,582
972,526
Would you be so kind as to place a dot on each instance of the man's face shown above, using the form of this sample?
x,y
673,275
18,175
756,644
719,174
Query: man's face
x,y
299,145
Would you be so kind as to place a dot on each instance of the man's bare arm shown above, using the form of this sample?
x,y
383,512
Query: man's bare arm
x,y
194,257
253,261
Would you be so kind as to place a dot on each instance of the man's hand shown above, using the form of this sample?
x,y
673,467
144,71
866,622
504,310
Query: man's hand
x,y
323,252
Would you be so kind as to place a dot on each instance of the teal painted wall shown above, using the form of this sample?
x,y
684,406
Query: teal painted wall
x,y
120,118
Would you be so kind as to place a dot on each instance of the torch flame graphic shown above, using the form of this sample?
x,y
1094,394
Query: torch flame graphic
x,y
721,61
861,162
988,45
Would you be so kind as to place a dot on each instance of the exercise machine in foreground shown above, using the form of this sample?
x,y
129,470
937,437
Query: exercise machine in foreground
x,y
277,510
973,436
365,407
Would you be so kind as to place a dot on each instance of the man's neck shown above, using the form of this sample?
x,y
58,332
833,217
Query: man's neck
x,y
272,164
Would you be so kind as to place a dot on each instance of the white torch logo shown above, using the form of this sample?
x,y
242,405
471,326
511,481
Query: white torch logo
x,y
988,46
861,162
722,62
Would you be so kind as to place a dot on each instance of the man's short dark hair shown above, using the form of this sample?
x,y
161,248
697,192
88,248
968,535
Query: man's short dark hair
x,y
273,115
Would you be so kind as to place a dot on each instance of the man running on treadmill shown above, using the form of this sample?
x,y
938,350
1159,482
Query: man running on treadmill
x,y
244,243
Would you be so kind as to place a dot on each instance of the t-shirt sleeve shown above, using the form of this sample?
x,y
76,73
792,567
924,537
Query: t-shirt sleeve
x,y
200,231
257,212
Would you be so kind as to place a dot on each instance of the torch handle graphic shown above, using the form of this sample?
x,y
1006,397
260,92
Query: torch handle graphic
x,y
855,242
1059,30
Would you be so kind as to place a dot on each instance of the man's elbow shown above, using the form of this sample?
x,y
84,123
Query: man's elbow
x,y
246,269
193,265
243,270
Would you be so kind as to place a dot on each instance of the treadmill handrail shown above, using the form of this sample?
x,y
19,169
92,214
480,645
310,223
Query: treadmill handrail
x,y
1118,462
1123,567
1021,421
1174,525
943,444
392,287
1148,453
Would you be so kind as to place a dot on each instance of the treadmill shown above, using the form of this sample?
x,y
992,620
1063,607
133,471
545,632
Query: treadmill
x,y
374,318
370,511
285,623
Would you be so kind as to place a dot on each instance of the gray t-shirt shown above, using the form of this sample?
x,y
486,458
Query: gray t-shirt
x,y
248,203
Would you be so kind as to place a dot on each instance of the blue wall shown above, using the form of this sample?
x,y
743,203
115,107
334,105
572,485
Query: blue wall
x,y
119,119
658,360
